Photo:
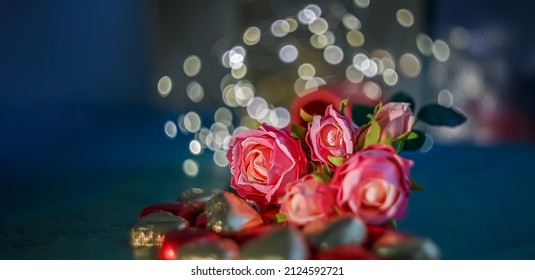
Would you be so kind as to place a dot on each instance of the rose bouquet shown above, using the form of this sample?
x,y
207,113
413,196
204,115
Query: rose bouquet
x,y
331,187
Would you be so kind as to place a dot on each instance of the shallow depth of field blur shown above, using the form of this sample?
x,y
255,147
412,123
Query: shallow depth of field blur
x,y
108,106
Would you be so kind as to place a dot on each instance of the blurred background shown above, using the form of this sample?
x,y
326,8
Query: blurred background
x,y
106,107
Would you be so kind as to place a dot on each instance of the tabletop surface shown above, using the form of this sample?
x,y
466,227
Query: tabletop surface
x,y
478,202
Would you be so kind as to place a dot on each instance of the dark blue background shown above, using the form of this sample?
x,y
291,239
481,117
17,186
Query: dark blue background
x,y
82,148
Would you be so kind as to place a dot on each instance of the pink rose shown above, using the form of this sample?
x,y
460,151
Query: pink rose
x,y
262,162
374,184
331,135
396,118
307,200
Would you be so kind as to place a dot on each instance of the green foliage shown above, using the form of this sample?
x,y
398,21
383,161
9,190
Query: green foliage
x,y
415,140
401,96
336,161
435,114
279,218
298,132
360,114
415,186
373,135
305,116
343,105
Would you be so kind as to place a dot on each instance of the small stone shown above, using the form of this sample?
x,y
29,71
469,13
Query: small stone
x,y
181,209
250,233
400,246
281,243
198,197
175,239
227,213
346,252
150,230
344,230
224,249
201,220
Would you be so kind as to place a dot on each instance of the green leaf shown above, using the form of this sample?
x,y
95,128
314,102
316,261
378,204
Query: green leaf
x,y
398,145
305,116
415,186
435,114
280,218
298,132
401,96
321,177
360,112
336,161
373,135
392,223
343,105
414,141
377,108
325,169
409,135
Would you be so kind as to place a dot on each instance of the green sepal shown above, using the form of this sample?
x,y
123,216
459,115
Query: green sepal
x,y
438,115
392,223
322,177
377,108
279,218
305,116
415,186
325,169
336,161
298,132
343,105
373,135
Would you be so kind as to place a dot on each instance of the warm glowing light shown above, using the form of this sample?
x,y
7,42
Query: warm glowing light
x,y
353,75
410,65
257,108
293,24
333,55
170,129
229,96
195,147
223,114
306,71
288,53
441,50
355,38
405,17
236,57
280,117
362,3
372,90
190,167
390,77
220,158
445,98
424,44
192,122
351,22
318,26
244,92
164,86
192,65
280,28
240,72
251,36
195,92
319,41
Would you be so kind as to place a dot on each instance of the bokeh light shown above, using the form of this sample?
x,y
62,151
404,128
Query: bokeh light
x,y
195,92
190,167
164,86
405,17
170,129
192,65
288,53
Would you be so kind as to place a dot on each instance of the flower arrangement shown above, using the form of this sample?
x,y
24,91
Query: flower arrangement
x,y
329,187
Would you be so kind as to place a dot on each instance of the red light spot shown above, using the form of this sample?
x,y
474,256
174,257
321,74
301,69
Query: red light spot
x,y
168,253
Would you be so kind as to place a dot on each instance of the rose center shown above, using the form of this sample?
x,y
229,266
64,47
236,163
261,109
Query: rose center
x,y
330,136
375,194
257,164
